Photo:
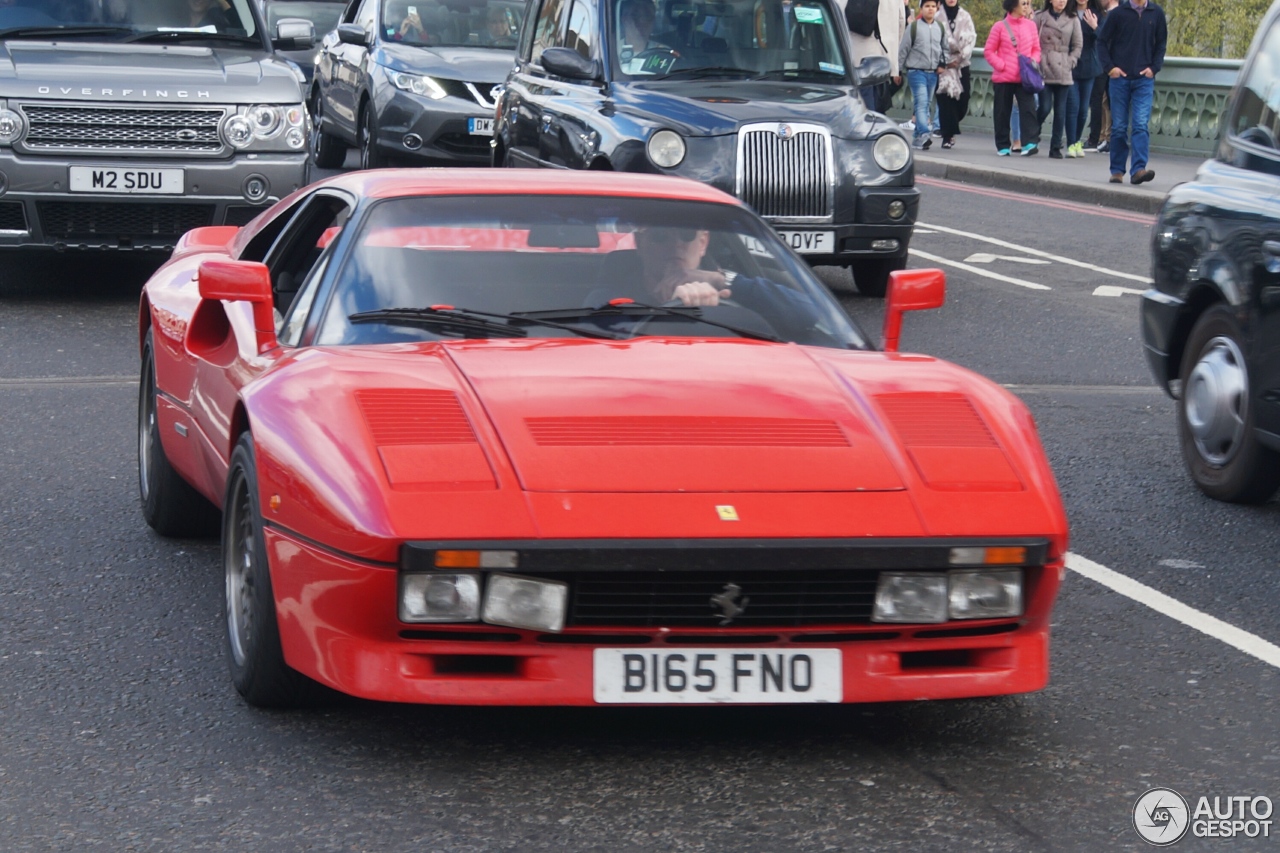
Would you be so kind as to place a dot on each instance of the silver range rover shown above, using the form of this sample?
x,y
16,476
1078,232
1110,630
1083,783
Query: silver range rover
x,y
126,123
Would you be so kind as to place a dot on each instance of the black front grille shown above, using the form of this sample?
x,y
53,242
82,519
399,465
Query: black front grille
x,y
12,217
464,144
776,599
72,219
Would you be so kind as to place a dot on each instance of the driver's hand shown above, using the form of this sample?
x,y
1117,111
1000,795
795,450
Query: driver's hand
x,y
700,293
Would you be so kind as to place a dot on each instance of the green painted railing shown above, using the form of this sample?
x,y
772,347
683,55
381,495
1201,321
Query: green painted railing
x,y
1189,98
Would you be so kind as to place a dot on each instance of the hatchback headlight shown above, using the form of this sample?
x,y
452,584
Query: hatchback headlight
x,y
891,152
666,149
419,84
11,127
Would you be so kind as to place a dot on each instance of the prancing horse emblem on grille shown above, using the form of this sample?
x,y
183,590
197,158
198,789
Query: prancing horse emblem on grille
x,y
187,135
726,601
785,132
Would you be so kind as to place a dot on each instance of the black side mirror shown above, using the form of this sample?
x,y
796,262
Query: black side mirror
x,y
294,34
873,71
571,65
355,34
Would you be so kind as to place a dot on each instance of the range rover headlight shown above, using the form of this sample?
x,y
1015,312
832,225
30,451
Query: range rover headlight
x,y
11,127
266,120
237,130
666,149
891,152
418,84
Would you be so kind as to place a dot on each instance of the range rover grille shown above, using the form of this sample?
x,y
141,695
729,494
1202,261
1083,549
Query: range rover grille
x,y
94,128
785,171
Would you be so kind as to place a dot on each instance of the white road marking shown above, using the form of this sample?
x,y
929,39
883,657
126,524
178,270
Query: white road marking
x,y
984,258
56,381
1237,638
978,270
1114,290
1029,251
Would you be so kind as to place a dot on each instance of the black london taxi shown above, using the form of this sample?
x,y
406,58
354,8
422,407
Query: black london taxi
x,y
754,97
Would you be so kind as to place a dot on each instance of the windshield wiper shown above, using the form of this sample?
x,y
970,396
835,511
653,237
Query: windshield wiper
x,y
193,35
479,321
61,32
707,71
639,309
792,73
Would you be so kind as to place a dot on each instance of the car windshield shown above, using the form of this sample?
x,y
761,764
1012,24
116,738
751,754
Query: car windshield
x,y
175,19
444,268
687,39
324,16
453,23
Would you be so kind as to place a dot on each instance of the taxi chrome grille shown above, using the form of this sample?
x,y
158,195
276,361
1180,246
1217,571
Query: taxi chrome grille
x,y
92,129
773,598
786,171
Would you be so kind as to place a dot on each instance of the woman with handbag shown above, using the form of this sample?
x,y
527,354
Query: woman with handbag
x,y
953,83
1013,52
1060,46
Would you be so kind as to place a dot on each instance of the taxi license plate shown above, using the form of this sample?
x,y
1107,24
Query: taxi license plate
x,y
810,242
480,126
717,676
94,179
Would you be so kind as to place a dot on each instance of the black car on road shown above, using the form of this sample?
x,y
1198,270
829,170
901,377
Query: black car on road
x,y
1211,323
754,97
412,81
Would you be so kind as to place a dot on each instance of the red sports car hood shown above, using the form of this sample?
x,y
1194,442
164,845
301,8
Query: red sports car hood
x,y
660,415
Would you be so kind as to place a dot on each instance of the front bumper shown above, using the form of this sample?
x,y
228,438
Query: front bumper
x,y
339,626
433,132
38,209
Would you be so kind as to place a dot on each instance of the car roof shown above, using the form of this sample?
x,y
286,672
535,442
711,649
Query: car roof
x,y
392,183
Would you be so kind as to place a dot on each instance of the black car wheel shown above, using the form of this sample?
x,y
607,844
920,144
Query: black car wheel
x,y
169,504
370,156
872,276
1215,415
329,152
254,653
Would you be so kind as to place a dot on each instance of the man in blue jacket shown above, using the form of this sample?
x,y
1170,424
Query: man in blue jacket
x,y
1131,44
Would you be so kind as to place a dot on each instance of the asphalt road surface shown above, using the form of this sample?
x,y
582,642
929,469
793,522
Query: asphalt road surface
x,y
121,730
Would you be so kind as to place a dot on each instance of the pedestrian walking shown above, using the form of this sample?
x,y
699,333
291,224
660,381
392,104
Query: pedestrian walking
x,y
1100,102
923,55
1013,35
875,29
1131,47
1060,46
954,87
1087,69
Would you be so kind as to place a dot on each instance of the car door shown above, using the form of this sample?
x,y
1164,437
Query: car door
x,y
1251,144
565,137
348,77
529,86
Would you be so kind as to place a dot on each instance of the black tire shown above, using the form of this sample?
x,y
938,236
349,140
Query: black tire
x,y
328,152
254,654
1216,415
872,276
170,505
370,156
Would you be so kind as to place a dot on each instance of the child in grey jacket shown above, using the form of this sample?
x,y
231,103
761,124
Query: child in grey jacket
x,y
922,56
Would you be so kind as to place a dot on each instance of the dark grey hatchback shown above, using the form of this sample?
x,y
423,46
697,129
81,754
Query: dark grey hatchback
x,y
1211,323
754,97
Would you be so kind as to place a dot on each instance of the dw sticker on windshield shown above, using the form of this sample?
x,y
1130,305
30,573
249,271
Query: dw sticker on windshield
x,y
808,15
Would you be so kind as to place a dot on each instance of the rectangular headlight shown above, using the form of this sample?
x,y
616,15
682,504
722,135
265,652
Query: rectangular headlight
x,y
986,595
440,597
913,597
520,602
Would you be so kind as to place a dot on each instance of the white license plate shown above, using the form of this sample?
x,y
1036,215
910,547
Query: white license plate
x,y
810,242
480,126
92,179
724,675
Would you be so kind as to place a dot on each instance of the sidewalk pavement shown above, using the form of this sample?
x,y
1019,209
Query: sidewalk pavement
x,y
973,160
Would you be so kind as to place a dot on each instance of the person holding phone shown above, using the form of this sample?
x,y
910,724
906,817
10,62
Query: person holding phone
x,y
411,28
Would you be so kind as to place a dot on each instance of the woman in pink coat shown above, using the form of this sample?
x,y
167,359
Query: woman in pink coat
x,y
1006,77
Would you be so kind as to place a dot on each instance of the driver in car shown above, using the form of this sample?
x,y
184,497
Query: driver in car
x,y
635,26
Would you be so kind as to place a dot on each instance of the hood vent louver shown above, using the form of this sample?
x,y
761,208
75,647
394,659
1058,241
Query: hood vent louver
x,y
686,432
415,417
949,443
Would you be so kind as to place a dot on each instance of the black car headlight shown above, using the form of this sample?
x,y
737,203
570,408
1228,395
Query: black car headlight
x,y
891,152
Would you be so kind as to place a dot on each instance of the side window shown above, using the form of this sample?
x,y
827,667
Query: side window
x,y
349,14
546,31
581,35
1255,118
296,320
368,12
300,247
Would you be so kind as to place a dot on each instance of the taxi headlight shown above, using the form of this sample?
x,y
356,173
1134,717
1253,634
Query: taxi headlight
x,y
891,152
11,127
666,149
520,602
910,597
440,597
986,594
418,84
